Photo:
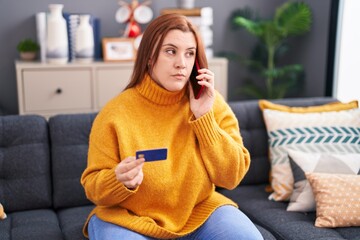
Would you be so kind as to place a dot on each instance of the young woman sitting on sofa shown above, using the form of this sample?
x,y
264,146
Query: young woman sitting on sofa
x,y
199,141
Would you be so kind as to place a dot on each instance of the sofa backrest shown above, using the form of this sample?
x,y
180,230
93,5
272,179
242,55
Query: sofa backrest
x,y
25,181
253,131
69,135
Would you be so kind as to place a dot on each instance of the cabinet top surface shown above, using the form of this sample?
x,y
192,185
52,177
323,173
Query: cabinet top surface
x,y
37,64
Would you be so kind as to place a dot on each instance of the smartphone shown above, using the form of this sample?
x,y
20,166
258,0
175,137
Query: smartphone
x,y
197,89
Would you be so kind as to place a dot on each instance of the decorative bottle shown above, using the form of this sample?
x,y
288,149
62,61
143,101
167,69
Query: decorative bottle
x,y
84,40
57,37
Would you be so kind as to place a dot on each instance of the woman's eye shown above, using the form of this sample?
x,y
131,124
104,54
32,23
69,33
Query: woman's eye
x,y
190,54
170,51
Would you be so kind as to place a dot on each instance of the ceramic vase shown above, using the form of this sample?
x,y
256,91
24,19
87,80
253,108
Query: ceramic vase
x,y
84,40
27,56
41,34
56,36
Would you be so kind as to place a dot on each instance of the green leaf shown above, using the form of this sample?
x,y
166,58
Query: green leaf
x,y
246,12
27,45
253,27
283,71
273,35
294,18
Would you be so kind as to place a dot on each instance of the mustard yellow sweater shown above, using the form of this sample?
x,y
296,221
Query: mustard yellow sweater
x,y
178,194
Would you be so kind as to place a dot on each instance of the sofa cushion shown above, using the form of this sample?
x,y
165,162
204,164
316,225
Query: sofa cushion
x,y
253,132
302,198
284,225
337,199
24,163
265,233
69,146
72,221
30,225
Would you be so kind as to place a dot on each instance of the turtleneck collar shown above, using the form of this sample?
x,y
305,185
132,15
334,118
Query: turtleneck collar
x,y
152,91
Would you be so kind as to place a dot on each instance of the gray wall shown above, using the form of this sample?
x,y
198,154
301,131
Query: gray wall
x,y
17,21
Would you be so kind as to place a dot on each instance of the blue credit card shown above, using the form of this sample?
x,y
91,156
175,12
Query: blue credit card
x,y
150,155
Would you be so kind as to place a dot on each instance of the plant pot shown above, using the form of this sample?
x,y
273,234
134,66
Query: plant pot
x,y
27,56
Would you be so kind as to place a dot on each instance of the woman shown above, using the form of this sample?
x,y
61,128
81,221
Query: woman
x,y
174,198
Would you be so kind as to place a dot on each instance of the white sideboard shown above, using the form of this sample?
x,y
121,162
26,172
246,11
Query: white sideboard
x,y
50,89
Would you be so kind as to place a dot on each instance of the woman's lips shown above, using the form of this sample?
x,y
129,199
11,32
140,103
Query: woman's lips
x,y
179,76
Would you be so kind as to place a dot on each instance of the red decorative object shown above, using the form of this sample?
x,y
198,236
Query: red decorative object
x,y
133,14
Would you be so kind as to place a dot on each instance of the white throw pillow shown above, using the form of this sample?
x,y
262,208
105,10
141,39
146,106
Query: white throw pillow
x,y
302,198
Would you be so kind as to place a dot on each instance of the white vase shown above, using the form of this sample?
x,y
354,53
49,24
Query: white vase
x,y
56,38
41,34
84,40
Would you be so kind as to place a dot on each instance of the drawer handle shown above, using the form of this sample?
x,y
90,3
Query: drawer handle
x,y
58,91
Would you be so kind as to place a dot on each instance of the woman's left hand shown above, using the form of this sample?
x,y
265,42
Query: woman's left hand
x,y
204,103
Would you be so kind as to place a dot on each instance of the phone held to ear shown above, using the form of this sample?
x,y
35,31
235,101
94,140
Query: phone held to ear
x,y
197,89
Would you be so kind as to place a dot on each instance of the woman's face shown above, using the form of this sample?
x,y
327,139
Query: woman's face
x,y
175,61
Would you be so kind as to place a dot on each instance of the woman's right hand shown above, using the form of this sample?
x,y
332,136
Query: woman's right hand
x,y
129,172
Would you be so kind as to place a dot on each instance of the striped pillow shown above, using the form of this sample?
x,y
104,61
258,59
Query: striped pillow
x,y
324,132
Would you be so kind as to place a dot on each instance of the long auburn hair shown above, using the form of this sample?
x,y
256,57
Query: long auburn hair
x,y
152,40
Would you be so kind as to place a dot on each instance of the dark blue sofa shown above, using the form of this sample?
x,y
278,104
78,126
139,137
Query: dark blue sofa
x,y
41,162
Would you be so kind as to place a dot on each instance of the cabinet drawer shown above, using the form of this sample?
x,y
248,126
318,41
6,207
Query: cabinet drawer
x,y
110,82
46,90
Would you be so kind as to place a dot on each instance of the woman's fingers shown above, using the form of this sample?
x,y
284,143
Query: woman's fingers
x,y
207,75
136,181
129,172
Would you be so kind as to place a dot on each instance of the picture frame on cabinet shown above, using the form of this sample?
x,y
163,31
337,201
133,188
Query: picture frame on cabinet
x,y
118,49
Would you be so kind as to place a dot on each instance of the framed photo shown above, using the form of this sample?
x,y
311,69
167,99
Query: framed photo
x,y
118,49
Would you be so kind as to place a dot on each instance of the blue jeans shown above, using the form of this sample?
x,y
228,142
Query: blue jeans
x,y
226,222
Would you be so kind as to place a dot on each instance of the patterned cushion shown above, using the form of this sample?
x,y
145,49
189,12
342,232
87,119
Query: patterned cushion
x,y
327,132
337,199
302,198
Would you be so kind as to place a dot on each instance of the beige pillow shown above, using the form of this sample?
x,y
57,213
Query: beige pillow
x,y
337,199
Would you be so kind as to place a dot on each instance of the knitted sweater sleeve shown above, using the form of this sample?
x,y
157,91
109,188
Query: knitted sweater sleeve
x,y
221,146
98,179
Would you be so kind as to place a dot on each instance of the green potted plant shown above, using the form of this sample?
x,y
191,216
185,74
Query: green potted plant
x,y
28,49
290,19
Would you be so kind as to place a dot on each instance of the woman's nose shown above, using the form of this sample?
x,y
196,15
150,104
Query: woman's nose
x,y
180,62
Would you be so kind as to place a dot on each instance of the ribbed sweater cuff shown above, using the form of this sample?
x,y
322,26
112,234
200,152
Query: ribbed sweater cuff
x,y
117,188
206,129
